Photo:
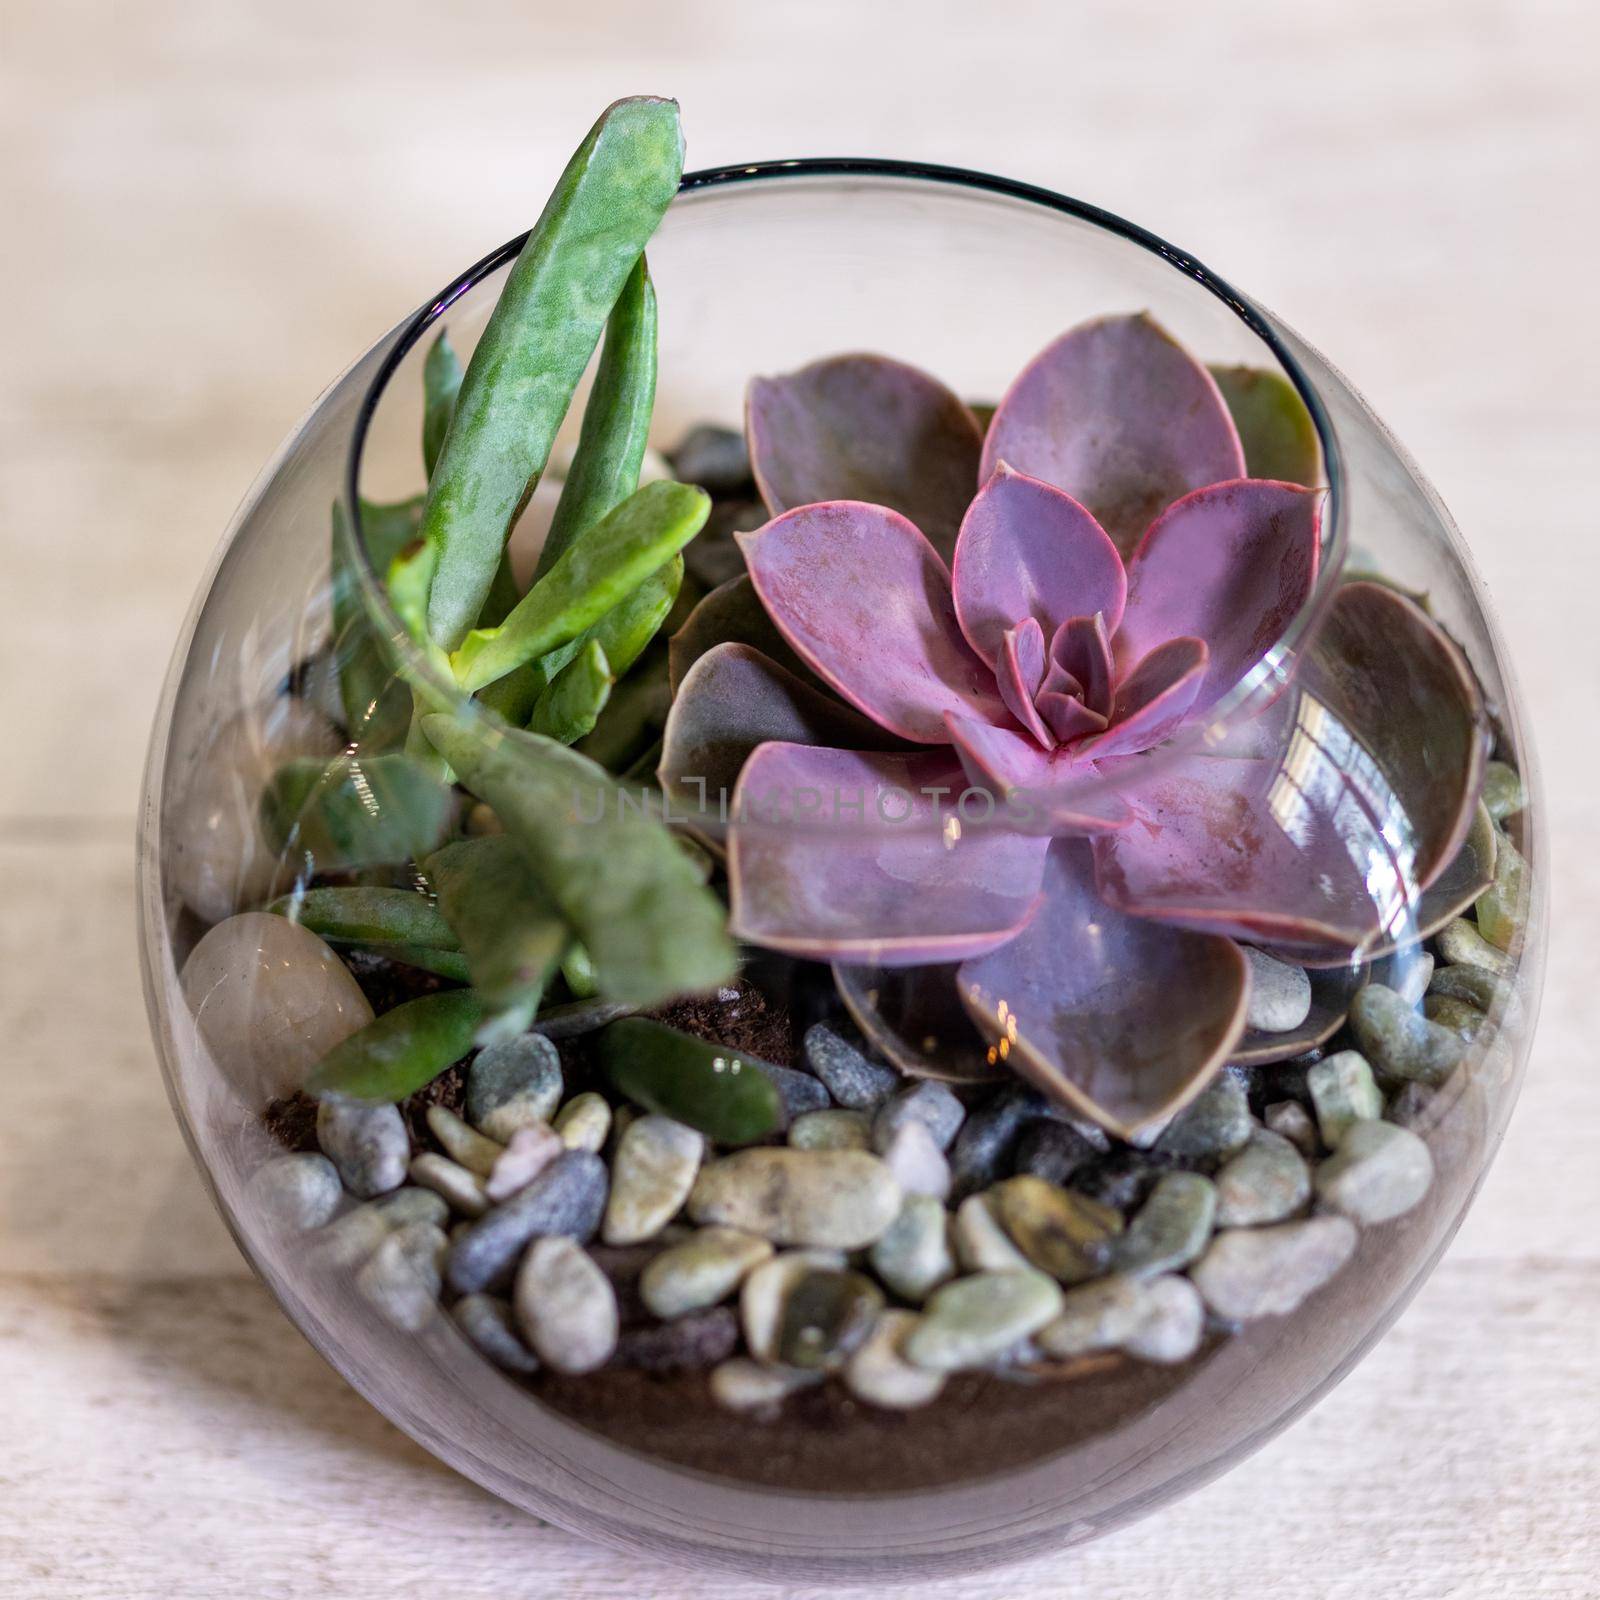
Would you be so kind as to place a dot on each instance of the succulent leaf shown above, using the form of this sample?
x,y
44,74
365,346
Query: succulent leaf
x,y
1048,791
914,1017
1276,430
731,614
1154,700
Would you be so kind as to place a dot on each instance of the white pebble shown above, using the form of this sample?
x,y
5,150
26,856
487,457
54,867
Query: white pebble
x,y
879,1373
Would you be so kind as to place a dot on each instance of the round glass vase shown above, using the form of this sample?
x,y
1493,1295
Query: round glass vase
x,y
761,270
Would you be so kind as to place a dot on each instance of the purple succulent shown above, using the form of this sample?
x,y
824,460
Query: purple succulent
x,y
1114,576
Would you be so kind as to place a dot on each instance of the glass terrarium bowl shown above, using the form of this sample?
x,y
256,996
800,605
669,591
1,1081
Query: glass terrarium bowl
x,y
760,270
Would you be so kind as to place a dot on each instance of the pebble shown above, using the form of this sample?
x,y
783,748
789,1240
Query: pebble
x,y
714,458
850,1078
584,1122
1174,1323
297,1192
1053,1151
1343,1092
702,1271
1503,793
798,1091
844,1199
1502,907
981,1244
1397,1041
1411,975
1411,1105
879,1374
917,1162
1379,1171
652,1173
827,1315
1060,1232
532,1149
367,1143
400,1279
1213,1127
1123,1179
913,1258
1280,993
690,1344
1459,1017
976,1320
567,1198
463,1190
1157,1319
928,1103
513,1084
1170,1229
754,1389
270,1000
988,1140
1290,1120
831,1130
765,1290
1268,1181
1266,1272
486,1322
462,1143
565,1306
1461,944
1490,992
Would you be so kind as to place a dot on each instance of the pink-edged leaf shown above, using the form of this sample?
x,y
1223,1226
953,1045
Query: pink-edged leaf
x,y
913,1017
1122,417
1028,550
864,600
731,613
1045,791
1080,662
1331,993
1068,718
1230,564
864,427
733,699
1154,700
1120,1019
1406,694
842,855
1470,872
1019,673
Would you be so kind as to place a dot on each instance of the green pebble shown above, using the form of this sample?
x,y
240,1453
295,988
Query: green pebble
x,y
1460,1017
827,1315
831,1130
1343,1091
1170,1229
1478,986
1503,907
976,1320
1063,1233
1461,945
1503,792
723,1093
1398,1041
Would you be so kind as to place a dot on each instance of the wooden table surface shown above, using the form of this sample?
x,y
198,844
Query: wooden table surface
x,y
210,208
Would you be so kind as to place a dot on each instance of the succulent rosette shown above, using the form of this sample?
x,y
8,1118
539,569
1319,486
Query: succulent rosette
x,y
1048,616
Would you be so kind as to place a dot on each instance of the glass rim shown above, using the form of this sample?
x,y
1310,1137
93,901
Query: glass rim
x,y
1258,686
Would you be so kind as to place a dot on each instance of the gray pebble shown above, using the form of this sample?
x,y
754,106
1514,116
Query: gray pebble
x,y
400,1280
1379,1171
714,458
757,1390
692,1343
567,1198
831,1130
1397,1041
851,1079
367,1143
486,1322
913,1258
1213,1127
1411,1106
1461,944
983,1150
1268,1181
1157,1319
1290,1120
513,1083
1169,1230
931,1104
651,1174
1343,1092
701,1271
297,1192
1173,1325
799,1091
1280,993
843,1199
1266,1272
918,1164
463,1190
1052,1151
975,1320
565,1306
879,1373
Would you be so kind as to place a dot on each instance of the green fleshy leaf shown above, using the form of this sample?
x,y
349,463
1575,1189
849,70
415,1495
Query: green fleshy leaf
x,y
402,1051
635,714
568,709
441,383
578,970
449,964
538,340
651,928
712,1087
368,916
627,628
512,935
1279,437
604,565
359,811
